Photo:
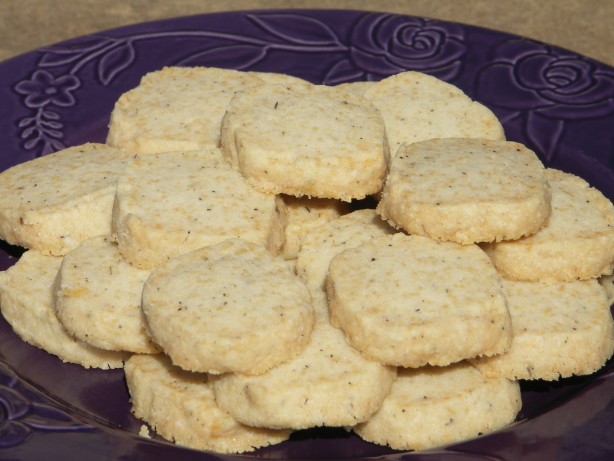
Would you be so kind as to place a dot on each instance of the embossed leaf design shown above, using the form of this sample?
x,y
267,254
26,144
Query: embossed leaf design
x,y
115,61
297,29
536,126
62,56
227,56
13,402
49,418
13,433
343,71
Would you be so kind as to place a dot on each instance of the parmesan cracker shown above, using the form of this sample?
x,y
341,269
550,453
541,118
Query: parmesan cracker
x,y
559,329
54,202
466,190
170,203
411,301
310,140
26,302
229,307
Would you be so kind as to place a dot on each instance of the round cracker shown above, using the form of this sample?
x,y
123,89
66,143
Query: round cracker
x,y
98,298
411,301
180,406
430,407
170,203
466,190
229,307
310,140
26,290
559,329
576,243
175,108
417,106
54,202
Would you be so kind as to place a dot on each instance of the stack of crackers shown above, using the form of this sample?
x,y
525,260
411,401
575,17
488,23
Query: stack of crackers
x,y
220,248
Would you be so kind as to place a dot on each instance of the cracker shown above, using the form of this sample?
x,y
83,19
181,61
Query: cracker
x,y
466,190
171,203
417,107
98,298
576,243
181,407
560,329
175,108
328,384
411,301
327,240
430,407
229,307
26,302
308,140
305,214
54,202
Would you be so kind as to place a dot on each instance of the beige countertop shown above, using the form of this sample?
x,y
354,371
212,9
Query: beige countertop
x,y
583,26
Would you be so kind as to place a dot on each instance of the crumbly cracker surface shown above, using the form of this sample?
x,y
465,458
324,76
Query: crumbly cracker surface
x,y
54,202
26,302
411,301
466,190
576,243
559,329
229,307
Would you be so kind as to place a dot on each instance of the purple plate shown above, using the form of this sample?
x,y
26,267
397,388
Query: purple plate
x,y
556,102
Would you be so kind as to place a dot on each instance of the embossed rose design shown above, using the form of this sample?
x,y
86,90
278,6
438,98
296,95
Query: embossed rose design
x,y
43,89
384,44
542,88
552,82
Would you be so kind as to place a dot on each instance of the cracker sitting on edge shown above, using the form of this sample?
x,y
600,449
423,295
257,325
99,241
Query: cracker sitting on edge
x,y
430,407
417,106
466,190
576,243
180,406
229,307
170,203
411,301
26,301
560,329
54,202
310,140
98,298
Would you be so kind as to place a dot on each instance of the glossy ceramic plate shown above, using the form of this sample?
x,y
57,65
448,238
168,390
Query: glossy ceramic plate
x,y
558,103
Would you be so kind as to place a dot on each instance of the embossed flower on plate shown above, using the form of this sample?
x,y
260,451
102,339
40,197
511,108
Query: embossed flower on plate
x,y
43,89
544,89
387,44
551,81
